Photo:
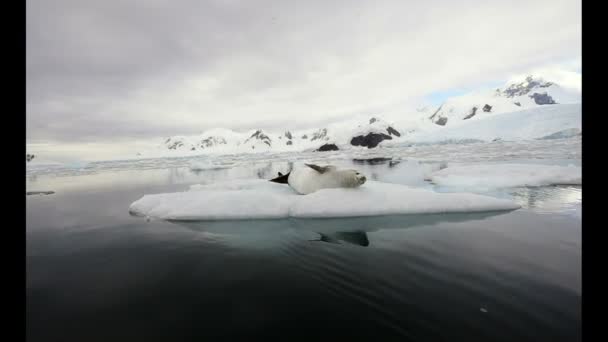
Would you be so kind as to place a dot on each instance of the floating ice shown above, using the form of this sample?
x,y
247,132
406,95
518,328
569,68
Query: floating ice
x,y
203,166
260,199
506,175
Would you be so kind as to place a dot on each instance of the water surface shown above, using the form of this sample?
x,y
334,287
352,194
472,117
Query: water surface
x,y
95,273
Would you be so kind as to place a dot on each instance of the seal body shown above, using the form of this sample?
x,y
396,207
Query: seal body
x,y
306,180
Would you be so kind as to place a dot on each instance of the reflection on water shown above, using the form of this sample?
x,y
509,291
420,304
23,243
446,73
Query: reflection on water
x,y
355,238
565,199
351,230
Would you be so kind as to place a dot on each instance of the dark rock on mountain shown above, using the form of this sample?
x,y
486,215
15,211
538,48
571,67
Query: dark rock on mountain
x,y
370,140
328,147
392,131
259,135
288,135
525,87
289,142
320,134
487,108
29,157
441,121
471,114
175,145
434,114
542,99
212,141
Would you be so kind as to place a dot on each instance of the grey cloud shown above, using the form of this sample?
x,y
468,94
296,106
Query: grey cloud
x,y
104,69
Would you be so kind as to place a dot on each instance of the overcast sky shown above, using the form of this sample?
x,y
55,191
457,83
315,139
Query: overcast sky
x,y
101,71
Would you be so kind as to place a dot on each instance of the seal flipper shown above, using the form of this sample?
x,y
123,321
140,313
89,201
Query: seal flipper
x,y
320,169
281,179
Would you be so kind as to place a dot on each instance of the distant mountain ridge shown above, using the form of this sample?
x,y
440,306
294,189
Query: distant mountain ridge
x,y
529,93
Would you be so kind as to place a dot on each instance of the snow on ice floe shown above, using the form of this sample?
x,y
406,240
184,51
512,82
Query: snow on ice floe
x,y
260,199
506,175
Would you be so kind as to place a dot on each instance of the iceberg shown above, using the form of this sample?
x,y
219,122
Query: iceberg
x,y
260,199
506,175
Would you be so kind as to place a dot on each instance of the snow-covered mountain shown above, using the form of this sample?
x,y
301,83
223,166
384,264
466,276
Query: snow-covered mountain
x,y
366,134
525,94
440,122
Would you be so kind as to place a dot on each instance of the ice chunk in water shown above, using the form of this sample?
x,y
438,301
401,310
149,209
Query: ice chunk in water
x,y
259,199
506,175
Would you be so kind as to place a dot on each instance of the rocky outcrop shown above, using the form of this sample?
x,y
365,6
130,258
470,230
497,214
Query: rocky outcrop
x,y
29,157
289,142
471,114
370,140
260,136
438,119
174,145
432,117
327,147
487,108
441,121
320,134
542,99
212,141
288,135
392,131
523,88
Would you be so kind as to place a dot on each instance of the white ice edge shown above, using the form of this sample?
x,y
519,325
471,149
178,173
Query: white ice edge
x,y
506,175
260,199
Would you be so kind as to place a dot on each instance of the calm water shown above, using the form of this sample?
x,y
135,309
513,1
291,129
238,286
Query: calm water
x,y
95,273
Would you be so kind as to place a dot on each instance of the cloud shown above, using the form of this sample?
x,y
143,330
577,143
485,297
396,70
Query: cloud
x,y
105,70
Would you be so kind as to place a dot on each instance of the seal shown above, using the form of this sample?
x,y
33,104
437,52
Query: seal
x,y
306,180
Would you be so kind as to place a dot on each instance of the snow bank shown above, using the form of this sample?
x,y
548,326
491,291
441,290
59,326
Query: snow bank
x,y
506,175
260,199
